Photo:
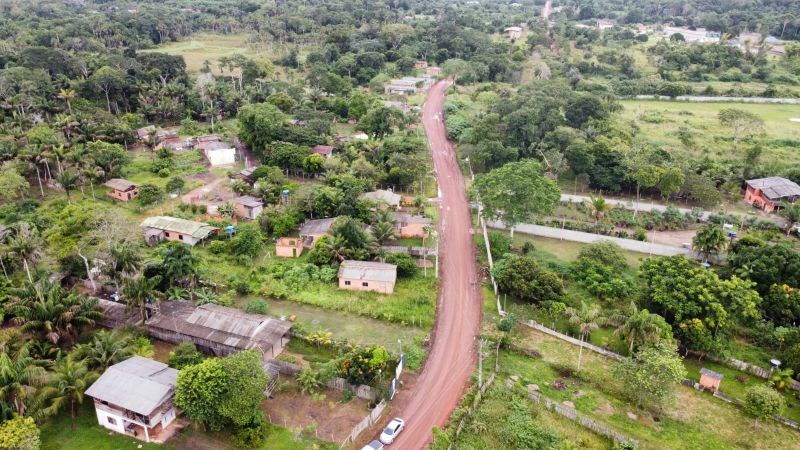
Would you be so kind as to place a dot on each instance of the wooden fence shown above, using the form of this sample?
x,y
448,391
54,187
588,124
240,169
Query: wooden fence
x,y
365,423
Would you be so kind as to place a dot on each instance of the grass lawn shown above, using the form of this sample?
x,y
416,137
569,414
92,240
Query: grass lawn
x,y
279,438
710,137
695,420
57,434
200,47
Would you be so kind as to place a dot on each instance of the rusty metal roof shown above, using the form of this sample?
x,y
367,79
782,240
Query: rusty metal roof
x,y
119,184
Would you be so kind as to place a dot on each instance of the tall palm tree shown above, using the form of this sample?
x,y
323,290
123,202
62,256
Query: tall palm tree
x,y
137,292
709,241
68,181
106,349
598,206
65,386
588,319
179,264
20,374
125,261
67,95
638,328
337,246
26,246
52,311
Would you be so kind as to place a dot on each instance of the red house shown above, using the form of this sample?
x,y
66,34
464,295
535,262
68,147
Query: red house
x,y
769,193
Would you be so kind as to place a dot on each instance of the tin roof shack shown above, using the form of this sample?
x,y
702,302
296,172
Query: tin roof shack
x,y
367,276
122,189
710,380
134,397
383,196
513,33
219,330
116,314
289,247
245,175
248,207
326,151
158,228
312,230
768,193
410,226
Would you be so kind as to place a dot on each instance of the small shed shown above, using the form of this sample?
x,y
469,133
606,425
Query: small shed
x,y
121,189
289,247
367,276
710,380
312,230
248,207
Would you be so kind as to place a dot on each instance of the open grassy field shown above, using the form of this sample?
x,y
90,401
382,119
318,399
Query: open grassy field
x,y
695,420
659,122
209,46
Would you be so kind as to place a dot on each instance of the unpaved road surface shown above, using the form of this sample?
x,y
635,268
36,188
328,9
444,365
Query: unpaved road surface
x,y
452,357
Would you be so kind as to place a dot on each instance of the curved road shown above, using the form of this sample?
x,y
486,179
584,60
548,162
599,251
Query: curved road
x,y
452,358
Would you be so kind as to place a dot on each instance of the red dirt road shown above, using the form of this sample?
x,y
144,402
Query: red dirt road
x,y
452,358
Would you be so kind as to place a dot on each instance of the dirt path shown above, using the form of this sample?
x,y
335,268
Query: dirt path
x,y
452,358
548,8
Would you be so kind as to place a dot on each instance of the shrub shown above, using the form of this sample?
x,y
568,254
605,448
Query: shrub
x,y
218,247
241,286
406,266
762,401
257,306
522,277
150,194
184,355
607,253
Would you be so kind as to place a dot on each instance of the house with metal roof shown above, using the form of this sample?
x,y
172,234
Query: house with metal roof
x,y
122,189
159,228
219,330
367,276
312,230
383,196
134,397
768,193
326,151
248,207
710,380
410,226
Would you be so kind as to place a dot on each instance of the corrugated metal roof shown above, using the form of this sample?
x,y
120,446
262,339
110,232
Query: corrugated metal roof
x,y
119,184
775,188
248,200
197,230
406,218
138,384
317,226
710,373
382,195
368,270
228,326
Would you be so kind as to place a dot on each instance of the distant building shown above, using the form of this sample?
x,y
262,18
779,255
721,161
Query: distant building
x,y
248,207
750,38
219,330
383,196
219,153
433,72
122,189
289,247
710,380
421,65
135,397
698,35
245,175
314,229
402,106
144,133
604,24
406,86
326,151
513,32
410,226
367,276
159,228
768,193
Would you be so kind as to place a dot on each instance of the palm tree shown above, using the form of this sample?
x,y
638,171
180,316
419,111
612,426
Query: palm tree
x,y
52,311
26,246
337,246
125,261
67,95
138,292
68,181
105,349
791,212
709,241
179,264
65,386
588,319
226,209
598,206
638,328
382,231
20,374
176,294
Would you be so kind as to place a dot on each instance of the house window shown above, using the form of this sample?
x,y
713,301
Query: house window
x,y
364,283
180,236
347,283
166,233
111,420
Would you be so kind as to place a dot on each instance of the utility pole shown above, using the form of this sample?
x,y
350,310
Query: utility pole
x,y
480,364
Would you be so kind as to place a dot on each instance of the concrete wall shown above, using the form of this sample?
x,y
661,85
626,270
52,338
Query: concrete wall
x,y
103,419
413,230
221,157
382,287
289,251
186,239
124,196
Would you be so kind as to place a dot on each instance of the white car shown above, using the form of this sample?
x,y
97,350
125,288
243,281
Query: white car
x,y
374,445
392,430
